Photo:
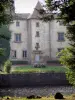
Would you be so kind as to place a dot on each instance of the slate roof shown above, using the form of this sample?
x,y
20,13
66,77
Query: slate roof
x,y
21,16
34,15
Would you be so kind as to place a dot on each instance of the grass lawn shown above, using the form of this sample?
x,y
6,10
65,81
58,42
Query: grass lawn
x,y
72,97
18,69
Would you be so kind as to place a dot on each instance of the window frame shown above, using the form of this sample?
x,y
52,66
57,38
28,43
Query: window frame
x,y
61,37
24,53
13,54
59,51
37,24
61,23
37,34
37,44
17,37
17,23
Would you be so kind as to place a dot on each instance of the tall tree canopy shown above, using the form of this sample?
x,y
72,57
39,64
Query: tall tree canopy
x,y
65,7
6,16
66,11
4,43
6,9
6,13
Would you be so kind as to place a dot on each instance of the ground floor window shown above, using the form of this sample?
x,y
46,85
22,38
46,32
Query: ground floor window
x,y
13,53
59,50
24,53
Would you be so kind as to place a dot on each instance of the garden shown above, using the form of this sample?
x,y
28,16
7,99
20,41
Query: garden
x,y
9,68
66,9
30,68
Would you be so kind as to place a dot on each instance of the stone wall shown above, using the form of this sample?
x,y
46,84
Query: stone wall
x,y
33,79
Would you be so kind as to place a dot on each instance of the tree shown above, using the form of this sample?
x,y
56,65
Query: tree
x,y
66,13
6,16
4,43
6,11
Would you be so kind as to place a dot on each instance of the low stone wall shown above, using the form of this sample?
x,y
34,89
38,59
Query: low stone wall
x,y
33,79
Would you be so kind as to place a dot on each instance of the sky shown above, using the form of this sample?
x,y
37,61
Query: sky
x,y
25,6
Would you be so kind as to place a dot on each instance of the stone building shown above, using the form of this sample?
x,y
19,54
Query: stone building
x,y
35,40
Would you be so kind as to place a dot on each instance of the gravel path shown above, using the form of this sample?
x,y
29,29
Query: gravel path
x,y
42,91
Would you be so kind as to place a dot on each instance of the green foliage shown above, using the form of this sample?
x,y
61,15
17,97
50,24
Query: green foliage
x,y
65,56
6,16
71,34
70,74
6,9
4,32
7,66
68,60
2,52
27,69
5,35
66,9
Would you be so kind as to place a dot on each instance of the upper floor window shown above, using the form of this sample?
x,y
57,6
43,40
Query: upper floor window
x,y
13,53
60,36
17,23
37,46
37,34
24,53
61,22
17,37
37,24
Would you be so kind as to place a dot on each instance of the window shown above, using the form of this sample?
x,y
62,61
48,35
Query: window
x,y
60,22
17,37
37,33
37,46
24,53
61,36
13,53
59,50
37,24
17,23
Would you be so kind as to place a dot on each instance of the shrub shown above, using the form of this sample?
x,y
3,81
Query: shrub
x,y
7,66
58,95
67,59
40,65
